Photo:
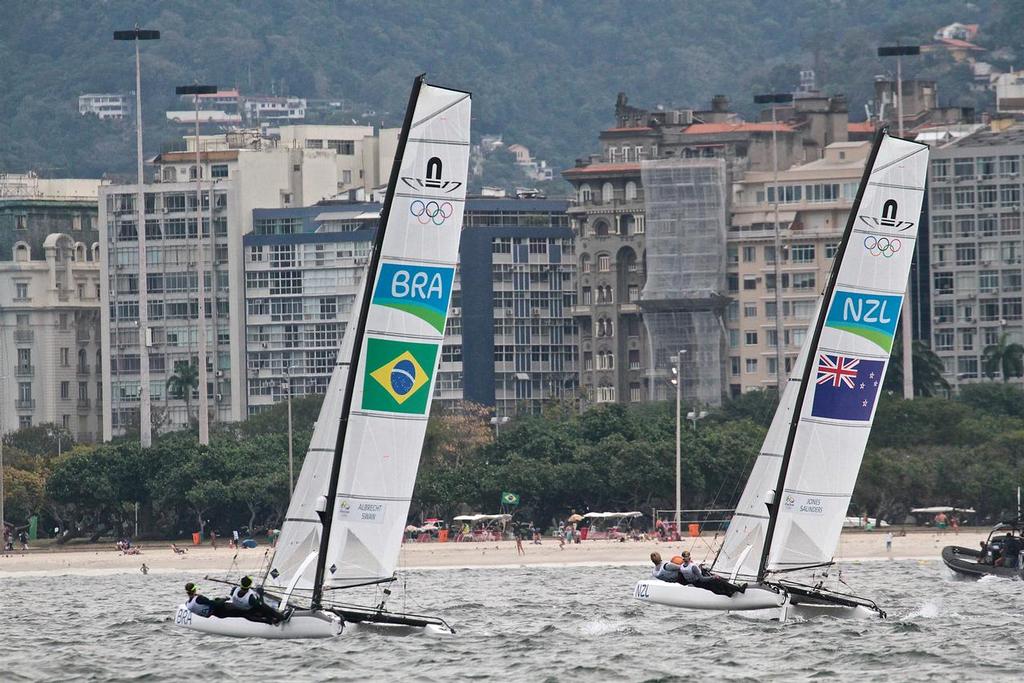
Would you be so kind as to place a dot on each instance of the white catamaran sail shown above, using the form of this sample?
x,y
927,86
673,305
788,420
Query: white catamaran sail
x,y
796,498
344,524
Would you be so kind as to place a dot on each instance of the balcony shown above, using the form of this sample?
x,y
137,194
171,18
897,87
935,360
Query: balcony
x,y
25,404
24,336
83,336
82,370
24,370
84,405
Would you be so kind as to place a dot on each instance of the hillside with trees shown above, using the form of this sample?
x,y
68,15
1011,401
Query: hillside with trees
x,y
545,74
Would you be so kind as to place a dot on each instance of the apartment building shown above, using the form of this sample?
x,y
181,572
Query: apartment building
x,y
814,200
49,303
235,182
611,215
362,155
50,355
514,291
975,215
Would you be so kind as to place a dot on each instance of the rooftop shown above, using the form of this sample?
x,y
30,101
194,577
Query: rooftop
x,y
990,138
718,128
602,169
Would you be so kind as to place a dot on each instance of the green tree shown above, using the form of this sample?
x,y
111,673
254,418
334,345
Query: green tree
x,y
1004,358
928,370
181,384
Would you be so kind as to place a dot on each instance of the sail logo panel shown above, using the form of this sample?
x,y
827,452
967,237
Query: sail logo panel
x,y
400,378
888,221
846,387
871,316
432,178
420,291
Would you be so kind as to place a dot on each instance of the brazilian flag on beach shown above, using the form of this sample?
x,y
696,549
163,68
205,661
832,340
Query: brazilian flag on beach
x,y
509,498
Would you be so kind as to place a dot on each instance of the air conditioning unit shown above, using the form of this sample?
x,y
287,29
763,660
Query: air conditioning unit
x,y
164,210
218,397
456,311
219,373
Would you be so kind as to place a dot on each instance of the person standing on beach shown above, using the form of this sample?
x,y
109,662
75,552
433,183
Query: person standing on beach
x,y
519,543
888,542
213,539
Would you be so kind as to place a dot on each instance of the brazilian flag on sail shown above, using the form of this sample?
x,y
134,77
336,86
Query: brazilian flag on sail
x,y
509,498
398,375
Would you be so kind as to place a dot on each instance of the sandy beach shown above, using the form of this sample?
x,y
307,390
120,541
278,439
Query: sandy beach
x,y
854,546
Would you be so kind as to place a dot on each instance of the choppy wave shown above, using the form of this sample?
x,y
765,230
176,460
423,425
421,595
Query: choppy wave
x,y
521,624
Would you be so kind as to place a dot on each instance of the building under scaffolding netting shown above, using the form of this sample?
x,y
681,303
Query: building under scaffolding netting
x,y
682,300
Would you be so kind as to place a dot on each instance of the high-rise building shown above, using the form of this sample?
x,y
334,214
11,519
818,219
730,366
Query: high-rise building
x,y
234,182
511,340
814,200
975,214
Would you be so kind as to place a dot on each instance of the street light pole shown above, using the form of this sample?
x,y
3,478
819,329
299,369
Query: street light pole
x,y
291,461
678,381
780,352
906,319
204,399
145,423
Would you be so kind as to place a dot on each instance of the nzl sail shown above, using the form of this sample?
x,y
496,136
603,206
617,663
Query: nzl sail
x,y
344,524
792,509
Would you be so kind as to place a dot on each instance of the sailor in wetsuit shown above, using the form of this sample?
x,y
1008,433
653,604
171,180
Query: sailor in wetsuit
x,y
665,571
202,605
246,600
691,574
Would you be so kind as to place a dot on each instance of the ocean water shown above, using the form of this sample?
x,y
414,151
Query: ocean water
x,y
523,624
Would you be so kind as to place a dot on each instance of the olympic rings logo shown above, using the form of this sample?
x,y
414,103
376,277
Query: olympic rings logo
x,y
882,246
431,212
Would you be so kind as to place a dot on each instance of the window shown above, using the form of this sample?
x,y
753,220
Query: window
x,y
65,390
942,227
964,197
943,283
802,253
604,263
24,421
750,282
1009,167
21,290
25,391
750,337
963,169
750,310
965,254
64,357
987,167
803,280
347,147
940,169
586,194
734,365
830,250
751,366
944,340
749,254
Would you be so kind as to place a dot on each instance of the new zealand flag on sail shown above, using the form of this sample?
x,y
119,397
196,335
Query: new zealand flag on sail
x,y
846,387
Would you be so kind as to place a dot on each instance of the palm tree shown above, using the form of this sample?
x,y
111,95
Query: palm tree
x,y
1005,357
182,382
928,369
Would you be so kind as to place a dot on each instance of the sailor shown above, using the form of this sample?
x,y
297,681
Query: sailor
x,y
244,598
690,573
665,571
202,605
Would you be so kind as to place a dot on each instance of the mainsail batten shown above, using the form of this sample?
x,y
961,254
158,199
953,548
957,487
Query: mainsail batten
x,y
392,355
843,365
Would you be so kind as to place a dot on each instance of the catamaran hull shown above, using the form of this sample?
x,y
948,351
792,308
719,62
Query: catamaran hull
x,y
775,601
691,597
302,625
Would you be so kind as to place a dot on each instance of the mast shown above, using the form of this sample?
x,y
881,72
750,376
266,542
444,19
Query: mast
x,y
809,364
327,515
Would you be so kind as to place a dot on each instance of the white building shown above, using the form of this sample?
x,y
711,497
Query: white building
x,y
104,105
363,158
49,337
242,180
268,109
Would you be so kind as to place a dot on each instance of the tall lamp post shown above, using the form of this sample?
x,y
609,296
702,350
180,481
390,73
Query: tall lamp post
x,y
204,399
287,385
145,423
780,352
906,319
677,379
